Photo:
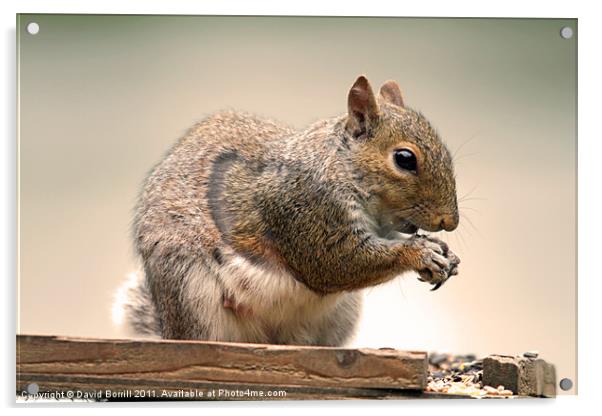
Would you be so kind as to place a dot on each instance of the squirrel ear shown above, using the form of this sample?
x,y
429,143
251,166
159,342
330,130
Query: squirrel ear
x,y
391,93
362,108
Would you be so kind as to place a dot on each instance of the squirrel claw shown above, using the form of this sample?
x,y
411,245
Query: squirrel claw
x,y
439,263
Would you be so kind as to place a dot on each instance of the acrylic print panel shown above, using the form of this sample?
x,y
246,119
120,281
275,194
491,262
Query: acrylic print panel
x,y
102,99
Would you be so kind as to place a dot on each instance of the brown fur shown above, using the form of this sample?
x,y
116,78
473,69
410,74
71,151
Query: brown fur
x,y
251,231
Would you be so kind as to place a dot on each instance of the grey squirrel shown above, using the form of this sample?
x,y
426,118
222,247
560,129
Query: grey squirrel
x,y
250,231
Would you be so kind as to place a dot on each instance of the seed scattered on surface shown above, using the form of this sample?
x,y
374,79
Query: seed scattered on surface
x,y
436,359
460,375
531,354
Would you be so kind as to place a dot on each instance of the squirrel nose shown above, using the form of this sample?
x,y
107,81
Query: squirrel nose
x,y
447,222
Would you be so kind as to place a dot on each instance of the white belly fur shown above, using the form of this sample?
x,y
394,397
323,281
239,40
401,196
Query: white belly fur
x,y
281,309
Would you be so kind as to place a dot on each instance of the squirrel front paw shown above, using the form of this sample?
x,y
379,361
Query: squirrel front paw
x,y
436,263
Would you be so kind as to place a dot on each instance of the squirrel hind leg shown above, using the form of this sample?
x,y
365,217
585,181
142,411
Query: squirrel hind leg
x,y
133,311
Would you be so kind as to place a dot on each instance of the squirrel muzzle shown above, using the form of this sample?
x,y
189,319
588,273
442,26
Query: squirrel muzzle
x,y
447,222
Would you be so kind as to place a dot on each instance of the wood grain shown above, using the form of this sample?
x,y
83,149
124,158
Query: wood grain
x,y
60,364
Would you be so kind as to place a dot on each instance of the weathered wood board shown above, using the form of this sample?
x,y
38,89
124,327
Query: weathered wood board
x,y
190,368
523,376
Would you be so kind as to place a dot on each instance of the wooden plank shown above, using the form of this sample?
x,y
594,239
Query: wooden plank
x,y
53,362
109,389
522,375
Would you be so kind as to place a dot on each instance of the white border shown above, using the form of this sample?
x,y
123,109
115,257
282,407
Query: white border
x,y
589,34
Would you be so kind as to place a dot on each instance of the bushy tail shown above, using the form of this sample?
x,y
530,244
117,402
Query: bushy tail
x,y
133,309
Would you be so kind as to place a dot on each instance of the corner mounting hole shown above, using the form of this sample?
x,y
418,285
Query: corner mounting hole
x,y
33,28
33,388
566,384
566,32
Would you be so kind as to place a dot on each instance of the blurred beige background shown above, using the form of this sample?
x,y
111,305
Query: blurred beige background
x,y
101,98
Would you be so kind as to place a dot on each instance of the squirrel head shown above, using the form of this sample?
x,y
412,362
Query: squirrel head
x,y
402,163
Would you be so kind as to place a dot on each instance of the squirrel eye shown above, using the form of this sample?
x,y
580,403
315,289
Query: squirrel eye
x,y
405,159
